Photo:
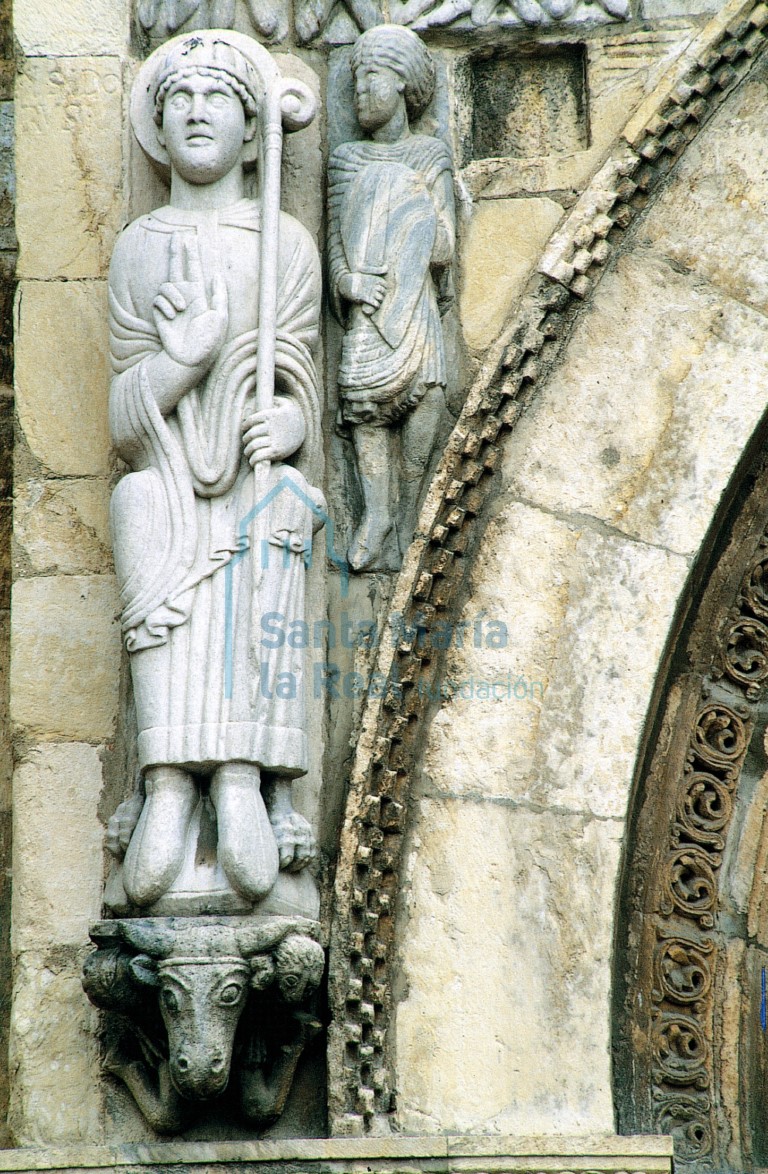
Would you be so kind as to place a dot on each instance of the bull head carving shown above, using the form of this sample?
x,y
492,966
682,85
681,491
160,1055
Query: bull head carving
x,y
200,977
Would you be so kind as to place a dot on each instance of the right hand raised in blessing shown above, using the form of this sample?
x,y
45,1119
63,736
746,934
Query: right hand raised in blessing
x,y
191,320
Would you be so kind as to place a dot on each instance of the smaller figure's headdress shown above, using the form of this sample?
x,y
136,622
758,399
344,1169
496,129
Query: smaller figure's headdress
x,y
211,57
404,52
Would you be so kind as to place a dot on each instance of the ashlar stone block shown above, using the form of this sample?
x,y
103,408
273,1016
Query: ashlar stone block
x,y
714,220
63,525
58,860
513,1042
644,420
501,247
72,28
65,657
54,1052
68,161
62,375
586,615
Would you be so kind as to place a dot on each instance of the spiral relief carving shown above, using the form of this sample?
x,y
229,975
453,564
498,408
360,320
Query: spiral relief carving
x,y
682,970
746,654
704,809
691,886
681,1049
719,738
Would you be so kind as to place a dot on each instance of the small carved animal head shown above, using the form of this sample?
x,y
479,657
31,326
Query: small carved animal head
x,y
200,1000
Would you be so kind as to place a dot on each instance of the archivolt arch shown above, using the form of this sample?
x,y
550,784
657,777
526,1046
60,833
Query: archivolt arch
x,y
438,563
691,940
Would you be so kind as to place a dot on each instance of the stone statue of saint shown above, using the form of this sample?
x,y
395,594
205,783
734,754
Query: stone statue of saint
x,y
391,239
213,525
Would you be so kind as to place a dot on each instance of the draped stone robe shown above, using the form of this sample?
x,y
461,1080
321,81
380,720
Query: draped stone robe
x,y
199,557
391,213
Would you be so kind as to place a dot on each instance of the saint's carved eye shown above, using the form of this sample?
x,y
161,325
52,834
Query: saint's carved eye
x,y
218,99
291,980
170,1002
179,101
230,994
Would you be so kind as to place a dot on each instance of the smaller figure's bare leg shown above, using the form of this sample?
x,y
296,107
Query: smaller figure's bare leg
x,y
417,440
373,449
155,854
160,1104
293,833
262,1098
247,849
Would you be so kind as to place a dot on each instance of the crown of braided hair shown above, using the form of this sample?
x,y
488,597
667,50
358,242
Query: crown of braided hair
x,y
218,60
405,53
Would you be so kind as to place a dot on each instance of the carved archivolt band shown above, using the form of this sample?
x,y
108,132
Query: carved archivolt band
x,y
391,736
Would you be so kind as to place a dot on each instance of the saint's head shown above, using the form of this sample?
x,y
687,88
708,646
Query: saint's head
x,y
206,104
394,75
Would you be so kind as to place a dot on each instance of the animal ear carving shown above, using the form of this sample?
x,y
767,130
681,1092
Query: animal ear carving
x,y
262,972
144,970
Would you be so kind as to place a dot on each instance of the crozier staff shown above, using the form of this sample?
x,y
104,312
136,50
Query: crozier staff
x,y
185,317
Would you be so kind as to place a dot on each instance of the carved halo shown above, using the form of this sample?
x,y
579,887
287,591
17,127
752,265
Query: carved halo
x,y
297,102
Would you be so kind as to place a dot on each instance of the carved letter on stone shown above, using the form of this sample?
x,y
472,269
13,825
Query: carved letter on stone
x,y
214,301
391,242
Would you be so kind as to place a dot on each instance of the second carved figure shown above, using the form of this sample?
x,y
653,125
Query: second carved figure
x,y
391,244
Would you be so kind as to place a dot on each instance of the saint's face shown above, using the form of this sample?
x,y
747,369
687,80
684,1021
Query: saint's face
x,y
378,94
204,127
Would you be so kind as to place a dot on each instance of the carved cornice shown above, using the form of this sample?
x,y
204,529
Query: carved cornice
x,y
430,584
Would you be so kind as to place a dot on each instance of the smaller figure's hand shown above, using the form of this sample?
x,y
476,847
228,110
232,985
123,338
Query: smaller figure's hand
x,y
273,433
122,824
192,323
366,289
295,841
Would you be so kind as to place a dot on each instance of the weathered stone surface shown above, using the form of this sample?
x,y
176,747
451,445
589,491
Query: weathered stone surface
x,y
714,220
381,1155
647,444
302,171
499,251
57,875
68,159
65,657
72,28
663,9
7,177
532,969
529,597
54,1052
62,375
587,614
63,525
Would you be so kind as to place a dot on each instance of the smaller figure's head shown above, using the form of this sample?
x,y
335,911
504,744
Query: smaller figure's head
x,y
390,66
206,106
300,962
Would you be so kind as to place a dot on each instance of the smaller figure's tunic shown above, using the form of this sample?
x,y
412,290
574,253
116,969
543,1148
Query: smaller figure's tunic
x,y
391,215
199,557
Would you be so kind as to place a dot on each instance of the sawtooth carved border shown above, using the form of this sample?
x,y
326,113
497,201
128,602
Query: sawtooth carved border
x,y
392,733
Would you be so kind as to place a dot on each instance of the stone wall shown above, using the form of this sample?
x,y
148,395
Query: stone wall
x,y
605,493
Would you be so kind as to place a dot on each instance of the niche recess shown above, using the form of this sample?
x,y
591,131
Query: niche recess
x,y
526,105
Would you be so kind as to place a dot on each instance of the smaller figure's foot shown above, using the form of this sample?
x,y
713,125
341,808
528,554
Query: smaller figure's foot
x,y
246,848
156,850
367,545
122,825
295,840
